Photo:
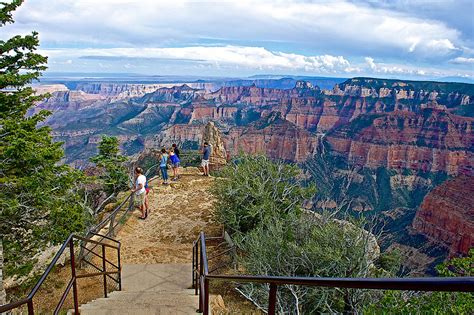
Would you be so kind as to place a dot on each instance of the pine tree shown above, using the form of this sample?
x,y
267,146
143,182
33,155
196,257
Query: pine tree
x,y
39,200
113,171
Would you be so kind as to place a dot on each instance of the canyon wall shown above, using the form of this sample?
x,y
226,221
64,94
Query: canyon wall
x,y
372,122
447,215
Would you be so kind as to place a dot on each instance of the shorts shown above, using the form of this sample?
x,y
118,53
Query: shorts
x,y
176,165
205,163
147,190
139,199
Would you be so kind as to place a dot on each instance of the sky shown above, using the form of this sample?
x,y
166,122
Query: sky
x,y
414,39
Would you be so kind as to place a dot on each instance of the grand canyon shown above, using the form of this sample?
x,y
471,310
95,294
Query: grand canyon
x,y
401,149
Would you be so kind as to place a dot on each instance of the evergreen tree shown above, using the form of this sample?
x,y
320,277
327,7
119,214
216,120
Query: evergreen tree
x,y
39,200
113,171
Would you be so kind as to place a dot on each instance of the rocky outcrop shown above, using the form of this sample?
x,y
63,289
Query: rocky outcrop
x,y
213,137
447,215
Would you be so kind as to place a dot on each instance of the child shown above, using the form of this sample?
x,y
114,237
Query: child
x,y
164,166
175,164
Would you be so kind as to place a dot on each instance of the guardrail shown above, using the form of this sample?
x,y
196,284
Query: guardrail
x,y
72,284
201,277
96,240
111,221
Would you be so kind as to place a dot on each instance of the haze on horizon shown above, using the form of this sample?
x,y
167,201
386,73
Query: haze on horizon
x,y
416,39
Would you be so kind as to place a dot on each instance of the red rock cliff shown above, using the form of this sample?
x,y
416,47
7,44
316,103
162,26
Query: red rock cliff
x,y
430,140
447,214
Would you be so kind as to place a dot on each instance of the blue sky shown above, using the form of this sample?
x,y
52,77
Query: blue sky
x,y
400,38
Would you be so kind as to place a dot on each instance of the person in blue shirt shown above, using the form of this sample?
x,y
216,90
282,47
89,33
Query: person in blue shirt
x,y
206,154
164,166
176,150
174,158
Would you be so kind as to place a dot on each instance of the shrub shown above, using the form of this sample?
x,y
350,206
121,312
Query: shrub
x,y
254,189
309,246
403,302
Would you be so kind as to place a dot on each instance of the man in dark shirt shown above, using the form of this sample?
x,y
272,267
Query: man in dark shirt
x,y
176,150
206,154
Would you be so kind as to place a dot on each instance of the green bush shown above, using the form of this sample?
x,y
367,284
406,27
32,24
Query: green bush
x,y
253,189
309,246
403,302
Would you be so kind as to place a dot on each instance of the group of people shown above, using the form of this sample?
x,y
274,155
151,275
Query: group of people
x,y
170,157
166,157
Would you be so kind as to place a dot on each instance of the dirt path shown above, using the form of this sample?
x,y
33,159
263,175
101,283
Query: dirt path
x,y
178,213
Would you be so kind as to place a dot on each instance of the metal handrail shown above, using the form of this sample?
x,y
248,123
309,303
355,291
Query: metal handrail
x,y
111,221
72,284
201,278
102,224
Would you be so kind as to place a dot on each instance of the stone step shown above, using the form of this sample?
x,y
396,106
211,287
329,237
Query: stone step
x,y
146,298
143,303
149,289
165,310
156,277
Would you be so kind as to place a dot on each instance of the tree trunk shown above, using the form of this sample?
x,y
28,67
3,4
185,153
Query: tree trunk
x,y
3,295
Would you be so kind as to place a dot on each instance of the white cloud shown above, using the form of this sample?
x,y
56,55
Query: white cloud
x,y
370,62
463,61
406,70
248,57
337,26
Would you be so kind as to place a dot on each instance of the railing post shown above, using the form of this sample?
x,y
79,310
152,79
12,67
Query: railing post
x,y
111,226
199,279
193,266
196,275
206,297
73,275
131,202
104,270
31,311
272,299
120,269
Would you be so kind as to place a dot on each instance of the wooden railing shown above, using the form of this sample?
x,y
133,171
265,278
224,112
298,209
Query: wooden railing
x,y
201,277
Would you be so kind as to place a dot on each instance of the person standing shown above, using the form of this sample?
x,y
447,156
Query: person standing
x,y
164,166
176,150
140,192
206,154
175,164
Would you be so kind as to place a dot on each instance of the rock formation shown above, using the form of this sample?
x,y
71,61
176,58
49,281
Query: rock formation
x,y
213,136
373,122
274,137
447,215
429,141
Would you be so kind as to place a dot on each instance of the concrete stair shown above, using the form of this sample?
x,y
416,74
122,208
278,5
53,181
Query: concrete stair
x,y
149,289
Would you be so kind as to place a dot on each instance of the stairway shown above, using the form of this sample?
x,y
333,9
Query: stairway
x,y
149,289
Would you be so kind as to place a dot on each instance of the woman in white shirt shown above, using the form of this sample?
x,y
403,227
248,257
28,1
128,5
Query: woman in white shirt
x,y
140,191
